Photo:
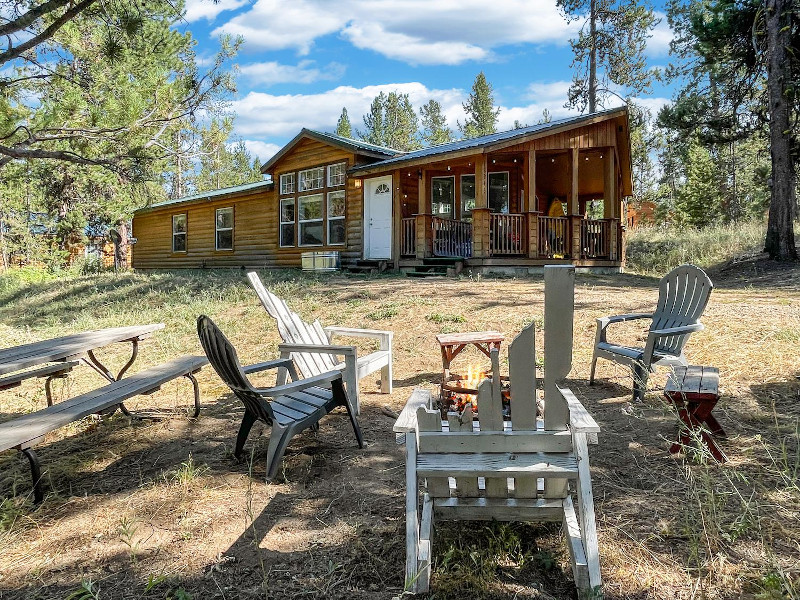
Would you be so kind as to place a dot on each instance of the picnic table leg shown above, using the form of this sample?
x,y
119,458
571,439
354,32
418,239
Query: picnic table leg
x,y
93,362
36,475
196,390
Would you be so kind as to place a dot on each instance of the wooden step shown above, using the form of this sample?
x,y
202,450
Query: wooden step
x,y
534,464
422,274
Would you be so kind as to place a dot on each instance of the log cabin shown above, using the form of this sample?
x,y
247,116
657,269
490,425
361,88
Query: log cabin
x,y
508,202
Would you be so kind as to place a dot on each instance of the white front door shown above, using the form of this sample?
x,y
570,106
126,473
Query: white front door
x,y
378,218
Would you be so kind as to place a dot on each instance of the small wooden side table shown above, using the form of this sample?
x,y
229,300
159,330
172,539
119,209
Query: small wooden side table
x,y
694,390
453,343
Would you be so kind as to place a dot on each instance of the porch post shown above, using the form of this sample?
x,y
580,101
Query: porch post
x,y
609,185
480,214
397,218
533,207
423,225
574,206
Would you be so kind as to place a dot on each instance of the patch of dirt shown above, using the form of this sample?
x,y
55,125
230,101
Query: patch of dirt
x,y
145,509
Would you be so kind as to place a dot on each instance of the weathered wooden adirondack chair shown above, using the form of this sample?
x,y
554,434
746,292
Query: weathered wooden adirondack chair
x,y
309,345
683,294
490,469
288,408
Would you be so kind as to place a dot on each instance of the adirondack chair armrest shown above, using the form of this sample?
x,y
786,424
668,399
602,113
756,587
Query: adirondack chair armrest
x,y
407,421
300,385
604,322
580,421
655,334
385,337
270,364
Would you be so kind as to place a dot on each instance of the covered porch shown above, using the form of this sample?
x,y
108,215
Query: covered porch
x,y
482,207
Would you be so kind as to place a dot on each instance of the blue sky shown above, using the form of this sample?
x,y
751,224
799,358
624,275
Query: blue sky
x,y
303,60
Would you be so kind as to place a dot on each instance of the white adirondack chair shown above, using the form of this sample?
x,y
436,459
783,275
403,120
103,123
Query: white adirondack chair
x,y
309,346
490,469
683,294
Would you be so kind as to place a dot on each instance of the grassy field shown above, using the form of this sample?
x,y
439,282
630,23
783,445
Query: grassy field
x,y
160,509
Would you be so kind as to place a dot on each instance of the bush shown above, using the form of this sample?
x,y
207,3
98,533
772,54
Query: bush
x,y
657,250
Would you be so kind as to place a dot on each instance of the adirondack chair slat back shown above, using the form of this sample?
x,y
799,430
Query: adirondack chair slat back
x,y
222,356
683,296
522,373
293,330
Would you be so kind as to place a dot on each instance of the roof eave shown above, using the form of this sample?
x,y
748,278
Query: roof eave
x,y
170,205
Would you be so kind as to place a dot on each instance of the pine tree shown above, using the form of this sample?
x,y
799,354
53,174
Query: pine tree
x,y
434,125
391,122
698,200
481,113
343,128
609,50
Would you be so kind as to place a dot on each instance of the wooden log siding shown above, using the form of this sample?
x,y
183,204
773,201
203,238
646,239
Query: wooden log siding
x,y
508,234
256,222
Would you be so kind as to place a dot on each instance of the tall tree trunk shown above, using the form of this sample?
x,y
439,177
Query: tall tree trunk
x,y
593,57
121,246
779,242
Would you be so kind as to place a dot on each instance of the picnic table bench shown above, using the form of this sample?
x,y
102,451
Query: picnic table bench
x,y
23,433
54,371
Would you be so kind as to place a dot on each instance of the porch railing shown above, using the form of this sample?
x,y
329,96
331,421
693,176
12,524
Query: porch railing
x,y
451,237
553,237
507,234
595,239
408,237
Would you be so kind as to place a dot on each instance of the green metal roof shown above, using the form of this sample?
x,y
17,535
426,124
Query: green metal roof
x,y
210,195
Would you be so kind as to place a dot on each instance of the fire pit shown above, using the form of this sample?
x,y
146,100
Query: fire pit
x,y
459,390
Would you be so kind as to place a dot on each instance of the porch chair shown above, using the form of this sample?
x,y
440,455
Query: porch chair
x,y
309,345
682,297
288,408
490,470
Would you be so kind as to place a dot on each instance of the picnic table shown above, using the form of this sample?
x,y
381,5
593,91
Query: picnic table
x,y
64,351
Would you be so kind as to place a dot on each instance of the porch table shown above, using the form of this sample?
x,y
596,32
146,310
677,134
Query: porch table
x,y
70,348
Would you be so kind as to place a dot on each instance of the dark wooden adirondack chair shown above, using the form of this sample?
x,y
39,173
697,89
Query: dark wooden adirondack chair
x,y
682,298
288,408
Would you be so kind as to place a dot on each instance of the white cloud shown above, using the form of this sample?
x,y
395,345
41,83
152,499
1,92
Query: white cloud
x,y
261,115
276,24
263,150
658,44
208,9
545,92
415,31
272,73
413,50
653,104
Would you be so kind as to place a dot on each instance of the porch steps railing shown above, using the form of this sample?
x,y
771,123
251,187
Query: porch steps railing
x,y
553,237
507,234
408,237
451,237
595,239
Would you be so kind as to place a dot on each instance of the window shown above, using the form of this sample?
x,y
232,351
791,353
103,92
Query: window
x,y
498,192
336,174
311,179
287,222
287,184
442,196
225,228
309,213
336,208
179,233
467,196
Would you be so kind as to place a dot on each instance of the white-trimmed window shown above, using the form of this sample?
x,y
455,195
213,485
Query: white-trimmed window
x,y
224,228
179,233
336,217
336,174
287,222
443,194
311,179
309,213
287,184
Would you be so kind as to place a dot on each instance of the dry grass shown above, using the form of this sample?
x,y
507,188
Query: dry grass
x,y
157,509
